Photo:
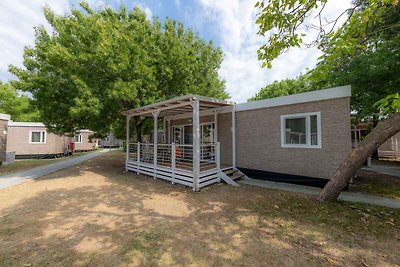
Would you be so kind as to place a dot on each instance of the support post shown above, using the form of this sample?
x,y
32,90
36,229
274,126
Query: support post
x,y
215,126
170,140
128,118
138,158
233,136
155,130
164,131
173,161
218,159
196,144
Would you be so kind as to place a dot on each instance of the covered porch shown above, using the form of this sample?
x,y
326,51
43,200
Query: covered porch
x,y
188,154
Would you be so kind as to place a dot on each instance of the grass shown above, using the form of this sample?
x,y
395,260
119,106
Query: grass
x,y
376,184
25,164
95,214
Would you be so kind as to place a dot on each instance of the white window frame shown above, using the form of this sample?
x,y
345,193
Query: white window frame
x,y
43,136
80,138
308,130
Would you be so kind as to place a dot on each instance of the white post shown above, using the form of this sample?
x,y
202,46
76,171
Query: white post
x,y
155,116
173,161
164,132
170,140
215,126
138,158
218,159
128,118
196,144
233,136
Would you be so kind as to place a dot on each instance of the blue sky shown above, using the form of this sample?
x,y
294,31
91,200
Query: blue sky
x,y
229,23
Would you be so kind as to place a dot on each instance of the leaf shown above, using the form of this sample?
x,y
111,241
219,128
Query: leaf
x,y
331,262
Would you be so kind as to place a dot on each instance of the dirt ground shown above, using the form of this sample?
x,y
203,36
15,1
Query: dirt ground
x,y
95,214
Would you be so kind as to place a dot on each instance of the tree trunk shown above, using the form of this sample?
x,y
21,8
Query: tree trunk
x,y
138,129
375,121
369,145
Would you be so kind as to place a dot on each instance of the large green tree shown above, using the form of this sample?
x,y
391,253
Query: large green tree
x,y
96,64
19,106
284,87
365,28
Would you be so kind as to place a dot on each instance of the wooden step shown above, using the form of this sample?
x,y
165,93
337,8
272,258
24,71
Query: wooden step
x,y
237,175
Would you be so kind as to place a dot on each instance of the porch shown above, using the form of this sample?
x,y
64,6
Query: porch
x,y
189,154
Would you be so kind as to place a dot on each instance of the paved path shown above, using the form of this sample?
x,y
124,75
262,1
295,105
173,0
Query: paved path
x,y
386,169
19,177
347,196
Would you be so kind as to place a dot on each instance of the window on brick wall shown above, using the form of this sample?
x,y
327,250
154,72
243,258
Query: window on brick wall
x,y
301,130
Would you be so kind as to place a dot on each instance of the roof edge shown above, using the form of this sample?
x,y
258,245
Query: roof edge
x,y
5,117
317,95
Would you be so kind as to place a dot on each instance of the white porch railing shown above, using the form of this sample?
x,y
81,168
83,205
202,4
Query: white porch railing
x,y
175,162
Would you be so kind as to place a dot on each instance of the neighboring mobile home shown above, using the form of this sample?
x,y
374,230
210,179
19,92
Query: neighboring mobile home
x,y
110,141
300,138
84,142
5,157
31,139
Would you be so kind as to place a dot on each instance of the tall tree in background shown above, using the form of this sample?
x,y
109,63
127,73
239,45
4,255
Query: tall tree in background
x,y
96,64
284,87
366,26
17,105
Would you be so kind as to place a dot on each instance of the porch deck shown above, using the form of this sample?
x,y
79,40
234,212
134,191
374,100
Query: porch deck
x,y
175,163
194,164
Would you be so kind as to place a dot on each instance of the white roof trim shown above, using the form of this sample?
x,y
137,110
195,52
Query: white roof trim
x,y
85,131
5,117
336,92
25,124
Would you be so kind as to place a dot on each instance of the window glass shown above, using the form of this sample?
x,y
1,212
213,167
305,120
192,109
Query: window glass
x,y
295,130
78,138
314,130
36,137
177,135
207,134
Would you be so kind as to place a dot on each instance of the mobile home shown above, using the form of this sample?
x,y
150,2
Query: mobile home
x,y
84,142
31,139
301,138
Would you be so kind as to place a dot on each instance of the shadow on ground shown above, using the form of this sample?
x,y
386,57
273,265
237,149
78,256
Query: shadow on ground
x,y
95,214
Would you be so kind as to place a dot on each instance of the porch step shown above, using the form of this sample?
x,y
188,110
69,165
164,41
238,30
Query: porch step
x,y
235,174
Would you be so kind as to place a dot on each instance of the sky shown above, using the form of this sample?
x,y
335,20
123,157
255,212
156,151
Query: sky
x,y
230,24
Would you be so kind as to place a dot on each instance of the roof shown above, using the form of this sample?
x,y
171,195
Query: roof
x,y
5,117
178,105
318,95
26,124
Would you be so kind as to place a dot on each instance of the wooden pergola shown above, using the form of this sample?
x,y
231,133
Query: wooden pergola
x,y
167,167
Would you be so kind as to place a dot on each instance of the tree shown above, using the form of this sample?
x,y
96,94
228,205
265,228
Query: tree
x,y
284,87
366,24
17,105
96,64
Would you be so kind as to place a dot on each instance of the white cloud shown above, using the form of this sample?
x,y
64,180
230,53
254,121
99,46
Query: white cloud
x,y
146,9
235,23
17,19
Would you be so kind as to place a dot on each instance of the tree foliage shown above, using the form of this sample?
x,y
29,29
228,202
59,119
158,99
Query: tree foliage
x,y
363,52
284,87
17,105
96,64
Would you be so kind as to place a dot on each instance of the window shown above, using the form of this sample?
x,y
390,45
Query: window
x,y
78,138
37,137
301,130
207,133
